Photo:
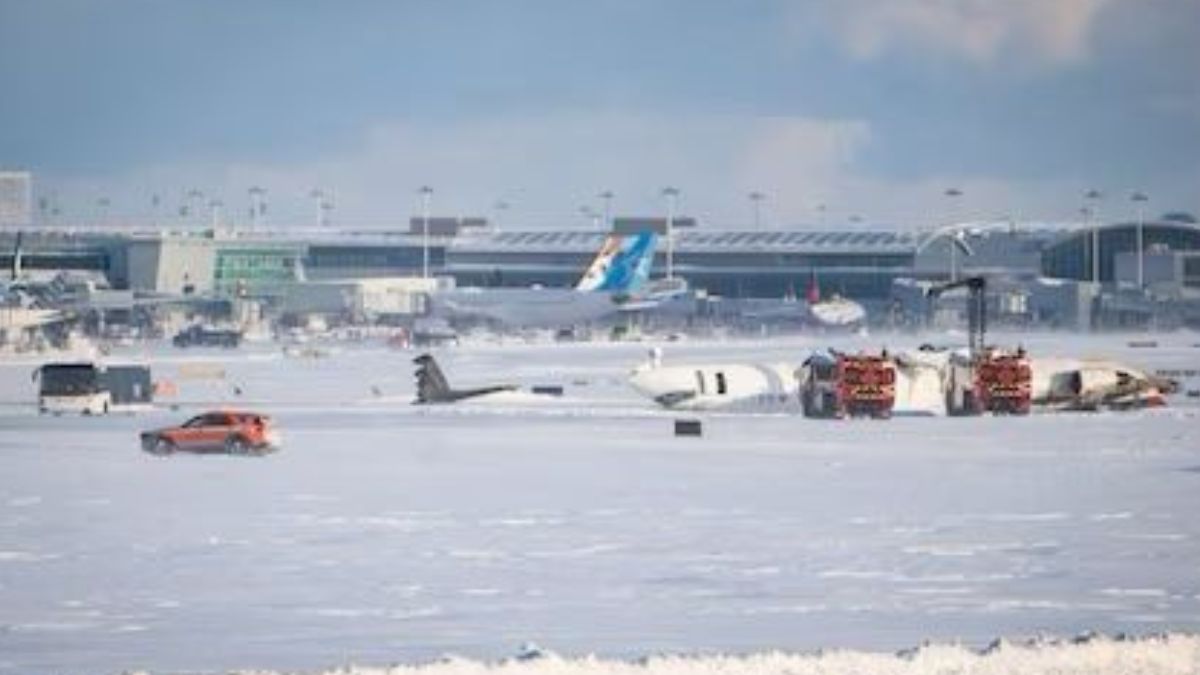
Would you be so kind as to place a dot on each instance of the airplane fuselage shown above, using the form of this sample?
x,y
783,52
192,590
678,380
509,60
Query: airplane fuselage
x,y
731,386
527,307
920,387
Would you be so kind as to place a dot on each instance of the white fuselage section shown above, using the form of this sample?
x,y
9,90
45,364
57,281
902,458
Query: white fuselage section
x,y
731,386
526,307
838,312
922,381
1059,380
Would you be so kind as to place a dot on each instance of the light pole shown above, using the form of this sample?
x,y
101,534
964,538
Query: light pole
x,y
1086,212
501,208
953,194
257,205
326,208
1090,212
195,201
426,194
592,217
319,202
607,197
214,206
756,199
102,205
1140,199
671,194
49,207
821,209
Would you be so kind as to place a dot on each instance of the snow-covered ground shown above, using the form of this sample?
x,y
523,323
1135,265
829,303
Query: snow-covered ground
x,y
386,533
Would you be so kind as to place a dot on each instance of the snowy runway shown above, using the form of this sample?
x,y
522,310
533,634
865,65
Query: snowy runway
x,y
385,533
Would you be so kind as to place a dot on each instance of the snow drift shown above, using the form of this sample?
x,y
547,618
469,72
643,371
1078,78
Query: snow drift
x,y
1170,654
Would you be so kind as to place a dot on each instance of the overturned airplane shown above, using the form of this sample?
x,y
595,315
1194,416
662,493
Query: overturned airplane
x,y
920,382
1092,384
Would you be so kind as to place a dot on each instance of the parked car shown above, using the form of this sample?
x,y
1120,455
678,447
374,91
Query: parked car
x,y
229,431
207,336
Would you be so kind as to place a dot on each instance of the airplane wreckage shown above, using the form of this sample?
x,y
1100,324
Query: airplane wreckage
x,y
926,381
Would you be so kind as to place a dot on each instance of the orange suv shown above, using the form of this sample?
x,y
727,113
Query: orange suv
x,y
233,432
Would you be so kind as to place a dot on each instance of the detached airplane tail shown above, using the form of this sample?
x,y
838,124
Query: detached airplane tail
x,y
432,386
622,264
813,294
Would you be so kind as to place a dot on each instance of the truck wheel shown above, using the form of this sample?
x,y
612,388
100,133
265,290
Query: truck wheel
x,y
971,405
829,406
236,445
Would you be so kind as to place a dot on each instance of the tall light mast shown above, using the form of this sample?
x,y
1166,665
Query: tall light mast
x,y
671,194
1140,199
756,199
607,197
1094,223
426,193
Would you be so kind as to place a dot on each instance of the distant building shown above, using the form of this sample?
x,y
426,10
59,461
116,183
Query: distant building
x,y
1070,257
1038,273
1008,249
735,264
365,257
633,224
367,299
1161,267
205,265
446,227
16,198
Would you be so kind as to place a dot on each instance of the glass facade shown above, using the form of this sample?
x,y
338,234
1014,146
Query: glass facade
x,y
1191,271
734,273
1071,257
253,271
403,259
93,261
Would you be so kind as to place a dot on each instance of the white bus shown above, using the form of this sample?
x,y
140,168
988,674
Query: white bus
x,y
92,389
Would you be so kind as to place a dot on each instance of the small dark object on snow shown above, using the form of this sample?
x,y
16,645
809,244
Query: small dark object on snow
x,y
688,428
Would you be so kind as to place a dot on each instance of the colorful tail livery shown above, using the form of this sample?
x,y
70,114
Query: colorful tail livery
x,y
622,265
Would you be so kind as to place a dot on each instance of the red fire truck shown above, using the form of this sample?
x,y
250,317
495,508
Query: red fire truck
x,y
993,382
841,385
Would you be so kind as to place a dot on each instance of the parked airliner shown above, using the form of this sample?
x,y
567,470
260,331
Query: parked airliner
x,y
613,282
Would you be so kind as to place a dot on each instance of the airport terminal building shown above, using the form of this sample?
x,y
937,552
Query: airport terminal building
x,y
863,264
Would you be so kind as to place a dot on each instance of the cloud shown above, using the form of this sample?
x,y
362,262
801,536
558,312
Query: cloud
x,y
547,167
981,31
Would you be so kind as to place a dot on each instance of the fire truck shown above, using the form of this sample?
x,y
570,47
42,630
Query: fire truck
x,y
841,385
990,382
985,379
1004,383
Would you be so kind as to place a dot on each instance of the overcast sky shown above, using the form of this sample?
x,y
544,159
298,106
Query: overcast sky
x,y
871,107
